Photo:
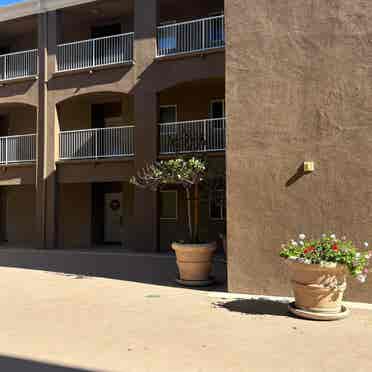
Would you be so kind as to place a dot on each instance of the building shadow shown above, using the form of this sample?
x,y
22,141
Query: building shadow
x,y
147,268
9,364
256,307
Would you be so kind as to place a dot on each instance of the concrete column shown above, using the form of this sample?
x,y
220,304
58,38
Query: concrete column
x,y
46,182
144,232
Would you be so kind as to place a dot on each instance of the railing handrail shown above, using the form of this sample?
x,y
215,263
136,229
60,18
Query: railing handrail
x,y
95,39
19,135
16,53
96,129
192,21
96,143
191,121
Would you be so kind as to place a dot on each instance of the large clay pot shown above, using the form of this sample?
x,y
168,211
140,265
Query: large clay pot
x,y
317,288
194,261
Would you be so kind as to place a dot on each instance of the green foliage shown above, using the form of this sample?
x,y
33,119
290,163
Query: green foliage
x,y
328,249
185,172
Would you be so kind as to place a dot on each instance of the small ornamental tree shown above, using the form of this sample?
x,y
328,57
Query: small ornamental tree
x,y
188,173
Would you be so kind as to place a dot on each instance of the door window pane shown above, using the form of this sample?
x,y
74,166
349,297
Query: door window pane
x,y
217,205
168,205
217,109
168,114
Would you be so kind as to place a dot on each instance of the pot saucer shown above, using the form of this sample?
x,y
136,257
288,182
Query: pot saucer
x,y
196,283
345,312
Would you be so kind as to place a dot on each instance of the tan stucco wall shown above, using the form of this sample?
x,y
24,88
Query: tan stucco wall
x,y
76,113
173,10
298,88
73,29
75,211
193,99
20,216
22,120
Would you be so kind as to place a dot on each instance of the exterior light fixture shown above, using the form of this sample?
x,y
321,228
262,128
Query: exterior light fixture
x,y
309,166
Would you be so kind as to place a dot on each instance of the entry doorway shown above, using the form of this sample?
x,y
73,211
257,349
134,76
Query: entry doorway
x,y
113,218
107,213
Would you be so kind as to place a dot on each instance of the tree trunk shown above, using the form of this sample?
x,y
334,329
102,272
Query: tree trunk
x,y
189,217
196,213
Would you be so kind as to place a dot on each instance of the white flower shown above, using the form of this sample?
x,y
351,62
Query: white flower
x,y
302,236
304,261
293,258
324,235
294,243
333,236
362,278
368,256
366,244
301,242
357,255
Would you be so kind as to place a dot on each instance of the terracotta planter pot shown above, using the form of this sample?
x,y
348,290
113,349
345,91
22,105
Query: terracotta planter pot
x,y
194,261
317,288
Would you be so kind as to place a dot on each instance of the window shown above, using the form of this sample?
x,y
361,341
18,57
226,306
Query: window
x,y
168,133
217,109
169,205
167,39
106,30
168,114
217,205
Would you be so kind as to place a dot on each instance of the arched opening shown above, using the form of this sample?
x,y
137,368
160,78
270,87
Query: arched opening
x,y
192,123
17,158
192,117
95,126
186,27
98,127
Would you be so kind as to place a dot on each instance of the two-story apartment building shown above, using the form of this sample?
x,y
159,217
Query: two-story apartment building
x,y
91,91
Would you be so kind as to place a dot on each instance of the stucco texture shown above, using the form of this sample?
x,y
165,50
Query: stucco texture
x,y
299,87
20,215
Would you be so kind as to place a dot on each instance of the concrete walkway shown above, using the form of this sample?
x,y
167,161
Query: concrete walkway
x,y
66,323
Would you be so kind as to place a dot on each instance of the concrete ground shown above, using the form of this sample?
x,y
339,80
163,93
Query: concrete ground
x,y
74,323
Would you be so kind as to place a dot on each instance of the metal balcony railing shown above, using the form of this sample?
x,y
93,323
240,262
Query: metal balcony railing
x,y
96,143
95,52
18,149
193,136
185,37
19,65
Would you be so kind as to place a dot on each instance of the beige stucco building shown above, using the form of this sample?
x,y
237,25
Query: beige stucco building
x,y
91,91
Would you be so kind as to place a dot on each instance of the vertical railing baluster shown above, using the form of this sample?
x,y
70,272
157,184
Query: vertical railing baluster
x,y
6,151
5,67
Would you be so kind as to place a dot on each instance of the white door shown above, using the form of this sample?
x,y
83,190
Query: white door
x,y
113,217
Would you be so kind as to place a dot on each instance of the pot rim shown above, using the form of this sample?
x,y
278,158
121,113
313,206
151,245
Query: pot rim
x,y
193,245
325,265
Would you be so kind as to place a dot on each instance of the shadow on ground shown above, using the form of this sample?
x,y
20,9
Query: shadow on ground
x,y
157,269
8,364
256,307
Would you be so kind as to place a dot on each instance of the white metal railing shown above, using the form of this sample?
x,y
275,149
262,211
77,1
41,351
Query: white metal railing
x,y
95,52
18,149
193,136
19,64
96,143
193,36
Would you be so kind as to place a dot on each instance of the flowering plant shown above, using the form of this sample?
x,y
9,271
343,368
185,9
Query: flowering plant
x,y
329,249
